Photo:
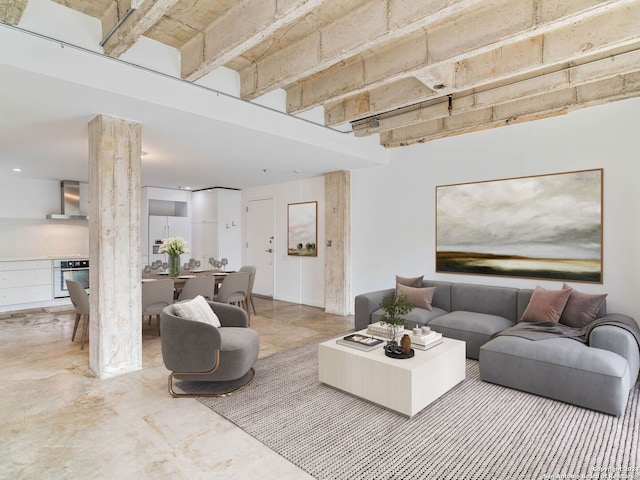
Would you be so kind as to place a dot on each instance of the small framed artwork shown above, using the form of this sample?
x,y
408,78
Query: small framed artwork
x,y
302,225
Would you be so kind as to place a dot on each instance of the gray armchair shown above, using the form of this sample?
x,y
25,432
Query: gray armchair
x,y
197,351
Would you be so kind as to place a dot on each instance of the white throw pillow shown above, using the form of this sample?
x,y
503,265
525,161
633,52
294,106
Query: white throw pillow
x,y
197,309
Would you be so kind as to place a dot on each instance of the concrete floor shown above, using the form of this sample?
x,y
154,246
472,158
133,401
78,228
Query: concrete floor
x,y
60,422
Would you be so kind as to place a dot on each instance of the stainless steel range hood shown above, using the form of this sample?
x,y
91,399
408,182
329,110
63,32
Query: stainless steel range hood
x,y
69,202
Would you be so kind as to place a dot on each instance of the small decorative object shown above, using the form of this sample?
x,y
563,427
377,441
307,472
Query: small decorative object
x,y
417,331
426,330
224,263
394,308
405,344
174,247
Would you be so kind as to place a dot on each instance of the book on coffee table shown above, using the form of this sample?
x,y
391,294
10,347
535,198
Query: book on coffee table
x,y
361,342
417,346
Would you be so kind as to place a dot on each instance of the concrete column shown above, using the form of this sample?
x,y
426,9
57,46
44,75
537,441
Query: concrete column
x,y
337,278
115,345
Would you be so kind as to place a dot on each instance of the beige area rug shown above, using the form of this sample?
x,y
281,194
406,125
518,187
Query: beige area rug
x,y
475,431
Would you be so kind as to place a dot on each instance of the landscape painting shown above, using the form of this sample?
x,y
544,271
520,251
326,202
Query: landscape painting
x,y
546,227
303,229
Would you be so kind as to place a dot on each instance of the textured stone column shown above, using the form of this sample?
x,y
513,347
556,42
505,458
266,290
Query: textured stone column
x,y
337,278
115,345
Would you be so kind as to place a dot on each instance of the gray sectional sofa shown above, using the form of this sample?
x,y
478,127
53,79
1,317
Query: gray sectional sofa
x,y
598,374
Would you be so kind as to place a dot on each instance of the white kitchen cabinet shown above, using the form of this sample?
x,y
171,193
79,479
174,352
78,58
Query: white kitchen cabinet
x,y
217,213
205,242
161,227
25,282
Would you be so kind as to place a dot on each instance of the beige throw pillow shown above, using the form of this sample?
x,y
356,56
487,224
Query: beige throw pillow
x,y
198,310
545,305
418,297
581,308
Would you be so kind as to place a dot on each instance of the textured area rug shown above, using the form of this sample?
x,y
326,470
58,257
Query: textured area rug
x,y
475,431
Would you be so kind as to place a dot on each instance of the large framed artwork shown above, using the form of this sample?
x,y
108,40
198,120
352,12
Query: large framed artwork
x,y
546,227
302,226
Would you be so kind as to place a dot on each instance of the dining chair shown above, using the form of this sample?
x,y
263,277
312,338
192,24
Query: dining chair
x,y
233,290
80,300
195,286
251,270
155,296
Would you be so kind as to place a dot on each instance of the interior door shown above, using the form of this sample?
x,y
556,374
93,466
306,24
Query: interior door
x,y
260,244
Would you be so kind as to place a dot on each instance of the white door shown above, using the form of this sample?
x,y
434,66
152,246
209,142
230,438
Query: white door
x,y
260,244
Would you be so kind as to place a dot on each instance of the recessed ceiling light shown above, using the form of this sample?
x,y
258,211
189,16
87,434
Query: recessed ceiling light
x,y
17,170
297,171
187,188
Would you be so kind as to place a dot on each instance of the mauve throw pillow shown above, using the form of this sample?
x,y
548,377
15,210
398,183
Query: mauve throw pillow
x,y
581,308
545,305
418,297
415,282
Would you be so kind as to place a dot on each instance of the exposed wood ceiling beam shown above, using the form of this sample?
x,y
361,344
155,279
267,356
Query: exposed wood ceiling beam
x,y
596,71
11,11
516,43
147,13
370,26
246,24
533,108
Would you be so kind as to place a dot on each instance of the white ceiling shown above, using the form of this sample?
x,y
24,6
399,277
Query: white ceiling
x,y
47,103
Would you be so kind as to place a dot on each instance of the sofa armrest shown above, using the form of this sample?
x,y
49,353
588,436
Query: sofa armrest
x,y
366,304
620,341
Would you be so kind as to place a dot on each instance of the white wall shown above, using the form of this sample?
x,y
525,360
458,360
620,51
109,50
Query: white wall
x,y
297,279
393,226
24,231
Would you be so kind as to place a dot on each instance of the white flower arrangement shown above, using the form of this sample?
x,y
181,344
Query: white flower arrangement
x,y
174,246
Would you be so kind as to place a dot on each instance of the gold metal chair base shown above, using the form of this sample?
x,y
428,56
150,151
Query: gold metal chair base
x,y
214,395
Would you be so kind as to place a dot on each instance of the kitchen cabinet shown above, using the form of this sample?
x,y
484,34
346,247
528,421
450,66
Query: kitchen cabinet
x,y
25,282
216,226
161,227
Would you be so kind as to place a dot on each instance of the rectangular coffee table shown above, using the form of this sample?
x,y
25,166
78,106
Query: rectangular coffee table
x,y
403,385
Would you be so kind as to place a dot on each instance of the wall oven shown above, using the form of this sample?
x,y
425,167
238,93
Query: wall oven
x,y
77,270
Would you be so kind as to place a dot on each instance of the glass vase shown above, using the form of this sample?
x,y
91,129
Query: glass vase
x,y
174,266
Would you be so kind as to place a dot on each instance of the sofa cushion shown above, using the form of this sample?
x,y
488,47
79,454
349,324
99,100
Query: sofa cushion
x,y
418,297
475,329
559,368
500,301
545,305
197,309
581,308
417,316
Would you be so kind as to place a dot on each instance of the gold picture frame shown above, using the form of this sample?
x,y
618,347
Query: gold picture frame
x,y
544,227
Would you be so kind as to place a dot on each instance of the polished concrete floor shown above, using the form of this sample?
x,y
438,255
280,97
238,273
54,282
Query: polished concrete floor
x,y
59,422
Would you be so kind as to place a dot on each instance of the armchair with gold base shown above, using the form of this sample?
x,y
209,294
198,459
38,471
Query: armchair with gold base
x,y
194,348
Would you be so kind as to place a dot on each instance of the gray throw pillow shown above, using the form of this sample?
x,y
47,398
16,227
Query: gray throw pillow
x,y
581,308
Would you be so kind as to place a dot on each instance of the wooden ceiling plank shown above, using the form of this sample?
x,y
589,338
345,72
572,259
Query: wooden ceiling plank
x,y
11,11
522,110
147,14
241,28
580,76
616,14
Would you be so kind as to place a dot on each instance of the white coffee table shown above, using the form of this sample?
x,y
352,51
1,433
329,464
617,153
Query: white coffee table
x,y
405,386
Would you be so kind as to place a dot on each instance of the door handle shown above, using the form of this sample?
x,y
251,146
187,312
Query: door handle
x,y
269,250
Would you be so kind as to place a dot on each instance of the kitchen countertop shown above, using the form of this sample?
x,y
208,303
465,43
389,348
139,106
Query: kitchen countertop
x,y
43,257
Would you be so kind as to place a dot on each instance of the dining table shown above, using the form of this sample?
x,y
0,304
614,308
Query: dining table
x,y
185,275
